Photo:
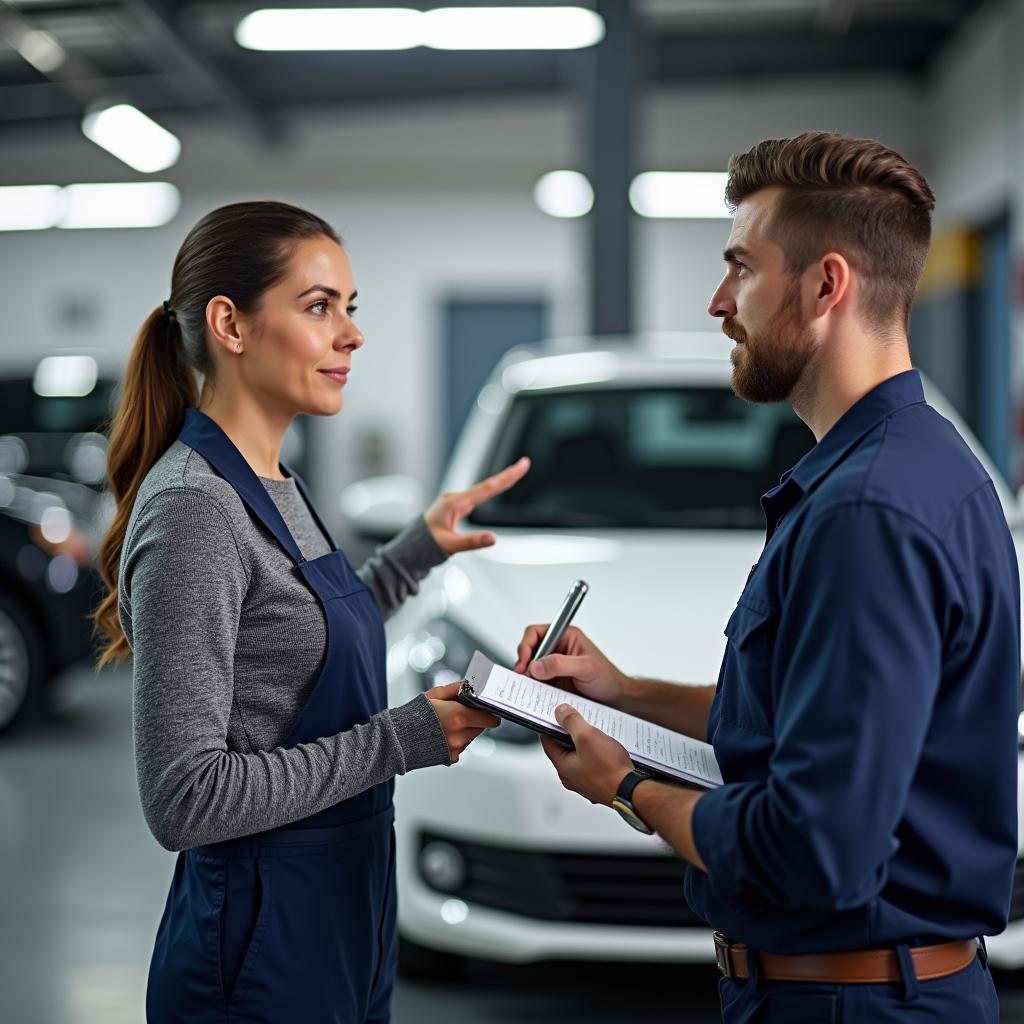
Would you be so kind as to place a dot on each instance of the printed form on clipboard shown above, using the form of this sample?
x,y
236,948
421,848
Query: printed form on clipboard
x,y
653,748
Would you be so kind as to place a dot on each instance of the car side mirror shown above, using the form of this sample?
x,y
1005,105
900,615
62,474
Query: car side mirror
x,y
379,507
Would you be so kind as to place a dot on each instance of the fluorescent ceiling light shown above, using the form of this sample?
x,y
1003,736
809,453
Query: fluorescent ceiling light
x,y
40,49
30,207
362,28
402,28
137,204
695,194
132,137
511,28
65,376
564,194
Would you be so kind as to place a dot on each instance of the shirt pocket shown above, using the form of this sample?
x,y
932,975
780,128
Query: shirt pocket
x,y
747,673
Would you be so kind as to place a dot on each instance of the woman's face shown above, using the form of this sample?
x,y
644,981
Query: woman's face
x,y
297,348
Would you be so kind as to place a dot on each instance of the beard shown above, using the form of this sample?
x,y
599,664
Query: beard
x,y
768,366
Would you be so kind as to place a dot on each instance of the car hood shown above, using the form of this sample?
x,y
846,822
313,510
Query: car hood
x,y
657,604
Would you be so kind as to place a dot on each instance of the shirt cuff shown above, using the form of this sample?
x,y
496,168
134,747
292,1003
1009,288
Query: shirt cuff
x,y
706,830
415,550
420,734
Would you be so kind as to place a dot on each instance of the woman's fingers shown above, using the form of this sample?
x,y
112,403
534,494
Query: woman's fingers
x,y
497,483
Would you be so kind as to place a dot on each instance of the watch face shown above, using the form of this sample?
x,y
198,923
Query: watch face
x,y
630,816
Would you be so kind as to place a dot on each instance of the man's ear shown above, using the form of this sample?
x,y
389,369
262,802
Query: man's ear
x,y
222,321
832,282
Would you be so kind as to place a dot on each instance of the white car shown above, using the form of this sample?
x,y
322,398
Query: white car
x,y
646,476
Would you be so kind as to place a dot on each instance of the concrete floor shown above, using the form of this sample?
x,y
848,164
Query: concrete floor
x,y
84,883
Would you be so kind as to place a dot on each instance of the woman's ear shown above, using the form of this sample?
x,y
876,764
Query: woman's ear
x,y
222,319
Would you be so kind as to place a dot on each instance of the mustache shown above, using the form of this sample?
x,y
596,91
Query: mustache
x,y
732,330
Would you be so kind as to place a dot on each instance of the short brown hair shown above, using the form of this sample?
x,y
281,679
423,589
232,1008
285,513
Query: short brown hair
x,y
853,196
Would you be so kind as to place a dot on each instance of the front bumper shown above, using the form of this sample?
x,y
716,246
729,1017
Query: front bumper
x,y
549,877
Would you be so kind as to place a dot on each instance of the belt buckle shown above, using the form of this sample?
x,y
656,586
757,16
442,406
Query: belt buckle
x,y
723,953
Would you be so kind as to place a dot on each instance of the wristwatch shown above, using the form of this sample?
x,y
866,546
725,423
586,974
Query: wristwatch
x,y
623,802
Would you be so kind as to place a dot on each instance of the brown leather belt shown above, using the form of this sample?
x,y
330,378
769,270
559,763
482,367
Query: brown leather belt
x,y
867,966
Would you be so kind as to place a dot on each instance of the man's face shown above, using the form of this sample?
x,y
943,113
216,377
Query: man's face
x,y
761,308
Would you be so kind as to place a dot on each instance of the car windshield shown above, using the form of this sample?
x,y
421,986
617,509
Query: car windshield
x,y
689,456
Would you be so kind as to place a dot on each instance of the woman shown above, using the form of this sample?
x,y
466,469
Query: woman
x,y
264,746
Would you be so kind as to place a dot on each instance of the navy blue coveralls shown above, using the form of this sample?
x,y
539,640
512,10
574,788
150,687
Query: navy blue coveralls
x,y
297,923
865,721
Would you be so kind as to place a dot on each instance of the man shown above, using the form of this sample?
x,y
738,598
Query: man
x,y
864,718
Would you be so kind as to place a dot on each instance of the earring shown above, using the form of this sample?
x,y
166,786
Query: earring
x,y
238,348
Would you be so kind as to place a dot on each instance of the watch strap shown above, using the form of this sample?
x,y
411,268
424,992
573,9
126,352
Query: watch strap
x,y
628,784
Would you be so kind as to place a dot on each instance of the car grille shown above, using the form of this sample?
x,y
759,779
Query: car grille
x,y
578,887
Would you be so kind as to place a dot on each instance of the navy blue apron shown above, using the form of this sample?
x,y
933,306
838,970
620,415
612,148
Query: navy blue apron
x,y
296,923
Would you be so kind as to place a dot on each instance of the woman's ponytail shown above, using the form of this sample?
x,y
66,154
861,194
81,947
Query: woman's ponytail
x,y
159,385
240,251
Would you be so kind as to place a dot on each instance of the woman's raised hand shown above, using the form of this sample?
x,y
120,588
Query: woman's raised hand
x,y
453,506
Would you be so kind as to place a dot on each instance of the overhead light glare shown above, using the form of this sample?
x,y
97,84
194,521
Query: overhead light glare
x,y
30,207
357,28
564,194
135,139
136,204
65,377
512,28
402,28
40,49
680,194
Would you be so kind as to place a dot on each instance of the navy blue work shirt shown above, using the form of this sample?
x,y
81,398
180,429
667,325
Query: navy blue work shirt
x,y
865,715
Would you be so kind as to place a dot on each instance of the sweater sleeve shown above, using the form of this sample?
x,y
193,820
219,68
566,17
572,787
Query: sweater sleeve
x,y
182,587
394,571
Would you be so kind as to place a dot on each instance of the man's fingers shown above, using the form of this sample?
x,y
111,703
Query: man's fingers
x,y
556,751
551,666
570,720
531,638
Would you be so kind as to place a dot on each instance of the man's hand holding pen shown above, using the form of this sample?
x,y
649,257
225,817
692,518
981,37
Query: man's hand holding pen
x,y
598,763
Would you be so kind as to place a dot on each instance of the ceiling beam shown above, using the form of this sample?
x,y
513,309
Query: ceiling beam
x,y
160,20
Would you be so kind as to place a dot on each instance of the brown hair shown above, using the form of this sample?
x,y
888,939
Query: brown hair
x,y
239,251
853,196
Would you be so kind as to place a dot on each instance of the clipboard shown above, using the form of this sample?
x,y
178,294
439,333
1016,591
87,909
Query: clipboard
x,y
469,695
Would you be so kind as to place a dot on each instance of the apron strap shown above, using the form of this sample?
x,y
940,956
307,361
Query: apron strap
x,y
206,437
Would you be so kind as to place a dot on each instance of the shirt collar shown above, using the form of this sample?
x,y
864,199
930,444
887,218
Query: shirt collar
x,y
863,416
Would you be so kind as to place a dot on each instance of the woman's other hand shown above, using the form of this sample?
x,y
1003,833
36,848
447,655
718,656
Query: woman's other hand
x,y
444,516
461,725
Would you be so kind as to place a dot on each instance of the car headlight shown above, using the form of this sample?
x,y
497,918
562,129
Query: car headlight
x,y
440,654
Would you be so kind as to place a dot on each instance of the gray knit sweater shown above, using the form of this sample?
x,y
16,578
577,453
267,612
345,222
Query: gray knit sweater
x,y
228,642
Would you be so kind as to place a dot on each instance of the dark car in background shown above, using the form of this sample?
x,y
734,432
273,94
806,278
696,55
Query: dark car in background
x,y
52,516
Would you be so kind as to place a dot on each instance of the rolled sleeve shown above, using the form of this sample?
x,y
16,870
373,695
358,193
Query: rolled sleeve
x,y
855,672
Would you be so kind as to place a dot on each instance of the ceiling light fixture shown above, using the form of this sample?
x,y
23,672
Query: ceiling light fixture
x,y
680,194
564,194
358,28
402,28
39,48
136,204
135,139
30,207
512,28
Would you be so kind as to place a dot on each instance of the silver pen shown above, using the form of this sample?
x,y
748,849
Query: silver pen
x,y
570,606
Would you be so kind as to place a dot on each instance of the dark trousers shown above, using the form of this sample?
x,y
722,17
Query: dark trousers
x,y
967,997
